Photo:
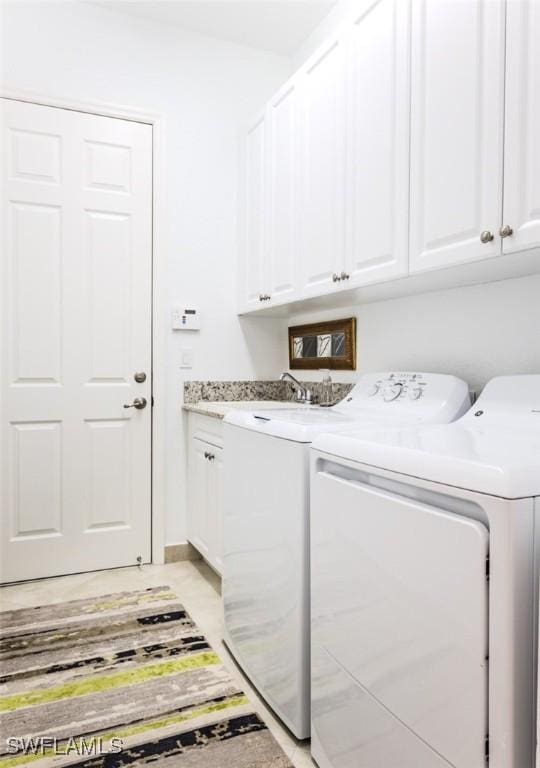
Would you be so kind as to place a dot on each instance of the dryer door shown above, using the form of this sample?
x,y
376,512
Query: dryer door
x,y
400,604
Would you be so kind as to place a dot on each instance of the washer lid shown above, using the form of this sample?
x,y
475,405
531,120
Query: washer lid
x,y
493,449
303,425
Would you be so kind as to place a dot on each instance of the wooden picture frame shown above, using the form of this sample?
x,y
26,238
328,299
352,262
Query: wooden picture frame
x,y
330,345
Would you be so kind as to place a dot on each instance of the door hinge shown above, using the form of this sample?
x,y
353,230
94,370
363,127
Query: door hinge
x,y
486,748
488,568
152,401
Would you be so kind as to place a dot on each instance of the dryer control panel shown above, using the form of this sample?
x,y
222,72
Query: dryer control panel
x,y
416,395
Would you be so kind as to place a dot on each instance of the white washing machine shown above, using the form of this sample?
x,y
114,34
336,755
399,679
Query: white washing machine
x,y
424,589
266,531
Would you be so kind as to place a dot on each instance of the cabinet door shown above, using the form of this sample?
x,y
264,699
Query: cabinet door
x,y
521,210
251,274
215,509
378,142
198,517
322,169
283,215
457,106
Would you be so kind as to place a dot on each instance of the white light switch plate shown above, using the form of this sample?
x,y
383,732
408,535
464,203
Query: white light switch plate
x,y
186,357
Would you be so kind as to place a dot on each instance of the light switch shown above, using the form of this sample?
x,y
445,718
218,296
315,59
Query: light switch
x,y
186,357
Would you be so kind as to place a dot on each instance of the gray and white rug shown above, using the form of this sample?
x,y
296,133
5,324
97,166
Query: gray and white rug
x,y
122,680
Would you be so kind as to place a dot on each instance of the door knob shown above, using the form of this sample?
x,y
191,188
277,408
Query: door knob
x,y
139,403
139,377
486,236
506,231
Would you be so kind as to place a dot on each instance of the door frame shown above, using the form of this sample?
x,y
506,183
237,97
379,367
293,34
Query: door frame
x,y
157,450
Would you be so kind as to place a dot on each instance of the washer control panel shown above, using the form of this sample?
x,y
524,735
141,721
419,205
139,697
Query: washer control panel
x,y
410,386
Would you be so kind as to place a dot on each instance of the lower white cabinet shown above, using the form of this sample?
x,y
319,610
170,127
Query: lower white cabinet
x,y
205,488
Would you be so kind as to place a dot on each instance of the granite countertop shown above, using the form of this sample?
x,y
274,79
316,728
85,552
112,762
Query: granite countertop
x,y
218,409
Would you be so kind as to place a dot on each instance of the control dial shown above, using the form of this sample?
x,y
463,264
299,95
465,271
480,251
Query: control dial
x,y
392,391
373,389
414,392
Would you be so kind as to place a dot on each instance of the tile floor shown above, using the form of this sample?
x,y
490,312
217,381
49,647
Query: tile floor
x,y
196,585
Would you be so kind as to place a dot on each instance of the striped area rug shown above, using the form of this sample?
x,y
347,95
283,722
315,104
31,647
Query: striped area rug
x,y
122,680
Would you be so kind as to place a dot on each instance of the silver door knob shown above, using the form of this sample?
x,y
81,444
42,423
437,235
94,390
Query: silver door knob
x,y
506,231
139,377
486,236
139,403
335,278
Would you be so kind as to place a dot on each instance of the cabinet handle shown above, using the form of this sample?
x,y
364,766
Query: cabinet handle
x,y
506,231
206,454
336,278
344,276
261,297
486,236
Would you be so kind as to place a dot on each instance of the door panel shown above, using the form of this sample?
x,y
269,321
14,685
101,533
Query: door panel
x,y
36,264
522,126
199,496
76,321
283,118
322,169
378,142
215,515
457,91
252,276
413,633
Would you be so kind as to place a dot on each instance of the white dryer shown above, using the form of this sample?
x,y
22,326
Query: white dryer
x,y
266,530
424,589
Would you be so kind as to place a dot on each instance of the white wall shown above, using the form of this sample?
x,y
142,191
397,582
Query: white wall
x,y
204,90
476,332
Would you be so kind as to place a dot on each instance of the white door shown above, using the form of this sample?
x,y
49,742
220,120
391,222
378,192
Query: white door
x,y
378,72
399,602
322,170
252,273
215,508
76,320
199,534
521,210
283,213
457,106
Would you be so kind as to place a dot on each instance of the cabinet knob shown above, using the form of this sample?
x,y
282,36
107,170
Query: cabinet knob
x,y
335,278
506,231
344,276
261,297
486,236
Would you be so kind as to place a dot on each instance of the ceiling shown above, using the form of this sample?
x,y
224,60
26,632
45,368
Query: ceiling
x,y
273,25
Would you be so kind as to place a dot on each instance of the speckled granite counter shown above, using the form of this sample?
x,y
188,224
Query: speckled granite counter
x,y
200,394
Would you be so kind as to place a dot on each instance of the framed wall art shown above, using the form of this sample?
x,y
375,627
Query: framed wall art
x,y
329,345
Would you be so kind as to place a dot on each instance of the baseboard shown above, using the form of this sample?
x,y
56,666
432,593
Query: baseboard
x,y
176,553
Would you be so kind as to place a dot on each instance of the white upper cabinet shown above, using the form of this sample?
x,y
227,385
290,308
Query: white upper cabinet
x,y
322,169
282,212
253,266
377,208
521,210
457,111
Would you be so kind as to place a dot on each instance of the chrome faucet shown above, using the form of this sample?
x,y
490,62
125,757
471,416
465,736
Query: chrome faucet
x,y
303,394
